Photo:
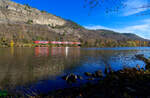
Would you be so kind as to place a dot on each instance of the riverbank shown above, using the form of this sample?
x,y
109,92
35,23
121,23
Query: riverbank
x,y
36,45
125,83
129,82
12,44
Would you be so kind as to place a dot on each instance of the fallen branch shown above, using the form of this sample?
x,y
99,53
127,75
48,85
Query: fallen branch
x,y
144,59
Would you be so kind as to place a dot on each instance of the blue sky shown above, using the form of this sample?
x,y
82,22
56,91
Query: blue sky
x,y
124,21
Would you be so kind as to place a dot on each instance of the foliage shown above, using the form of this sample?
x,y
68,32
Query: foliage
x,y
49,25
4,42
11,43
29,21
43,11
73,25
27,6
114,43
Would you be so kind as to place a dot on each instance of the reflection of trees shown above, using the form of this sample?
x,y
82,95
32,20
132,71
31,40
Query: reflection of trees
x,y
23,66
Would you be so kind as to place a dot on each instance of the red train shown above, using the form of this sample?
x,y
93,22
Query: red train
x,y
56,42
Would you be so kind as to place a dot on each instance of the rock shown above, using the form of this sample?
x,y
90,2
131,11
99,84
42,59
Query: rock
x,y
139,55
130,89
98,73
116,77
64,77
90,78
79,77
20,13
88,74
71,78
94,75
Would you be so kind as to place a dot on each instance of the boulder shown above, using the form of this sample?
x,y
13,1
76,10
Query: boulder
x,y
79,77
88,74
98,73
71,78
90,78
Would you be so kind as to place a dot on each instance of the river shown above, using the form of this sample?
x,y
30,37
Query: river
x,y
40,69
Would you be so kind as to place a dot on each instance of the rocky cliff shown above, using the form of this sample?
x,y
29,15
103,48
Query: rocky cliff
x,y
13,12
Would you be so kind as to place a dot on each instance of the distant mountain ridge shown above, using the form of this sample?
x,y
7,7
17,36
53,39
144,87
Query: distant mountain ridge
x,y
117,35
24,24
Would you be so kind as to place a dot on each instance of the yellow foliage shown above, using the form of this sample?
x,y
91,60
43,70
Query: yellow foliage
x,y
12,43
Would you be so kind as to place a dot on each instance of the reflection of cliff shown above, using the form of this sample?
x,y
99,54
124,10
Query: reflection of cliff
x,y
24,66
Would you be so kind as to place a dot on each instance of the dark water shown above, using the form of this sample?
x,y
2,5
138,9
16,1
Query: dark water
x,y
39,69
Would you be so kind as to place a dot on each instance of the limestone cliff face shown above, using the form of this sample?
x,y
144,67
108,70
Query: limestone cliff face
x,y
13,12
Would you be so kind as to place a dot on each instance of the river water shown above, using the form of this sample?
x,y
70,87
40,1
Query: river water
x,y
40,69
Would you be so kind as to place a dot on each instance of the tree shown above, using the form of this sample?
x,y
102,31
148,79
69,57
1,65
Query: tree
x,y
11,43
110,6
29,21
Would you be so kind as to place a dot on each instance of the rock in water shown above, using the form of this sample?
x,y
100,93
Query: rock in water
x,y
99,73
88,74
79,77
71,78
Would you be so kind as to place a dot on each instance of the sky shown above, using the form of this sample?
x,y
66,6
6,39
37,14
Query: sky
x,y
128,19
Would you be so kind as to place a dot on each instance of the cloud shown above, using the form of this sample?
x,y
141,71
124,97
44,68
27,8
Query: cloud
x,y
134,7
146,21
142,29
95,27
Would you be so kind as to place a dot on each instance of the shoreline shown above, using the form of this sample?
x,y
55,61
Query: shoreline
x,y
37,45
125,83
129,82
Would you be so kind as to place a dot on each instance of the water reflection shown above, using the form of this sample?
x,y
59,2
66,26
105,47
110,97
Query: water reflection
x,y
12,51
41,51
65,51
115,59
56,51
21,66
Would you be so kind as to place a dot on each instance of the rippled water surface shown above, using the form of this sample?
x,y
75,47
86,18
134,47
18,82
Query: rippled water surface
x,y
39,69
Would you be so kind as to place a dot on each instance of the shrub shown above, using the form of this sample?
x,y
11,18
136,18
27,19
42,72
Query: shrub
x,y
43,11
29,21
27,6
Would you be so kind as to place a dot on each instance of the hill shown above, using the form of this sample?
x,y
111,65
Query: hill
x,y
24,24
